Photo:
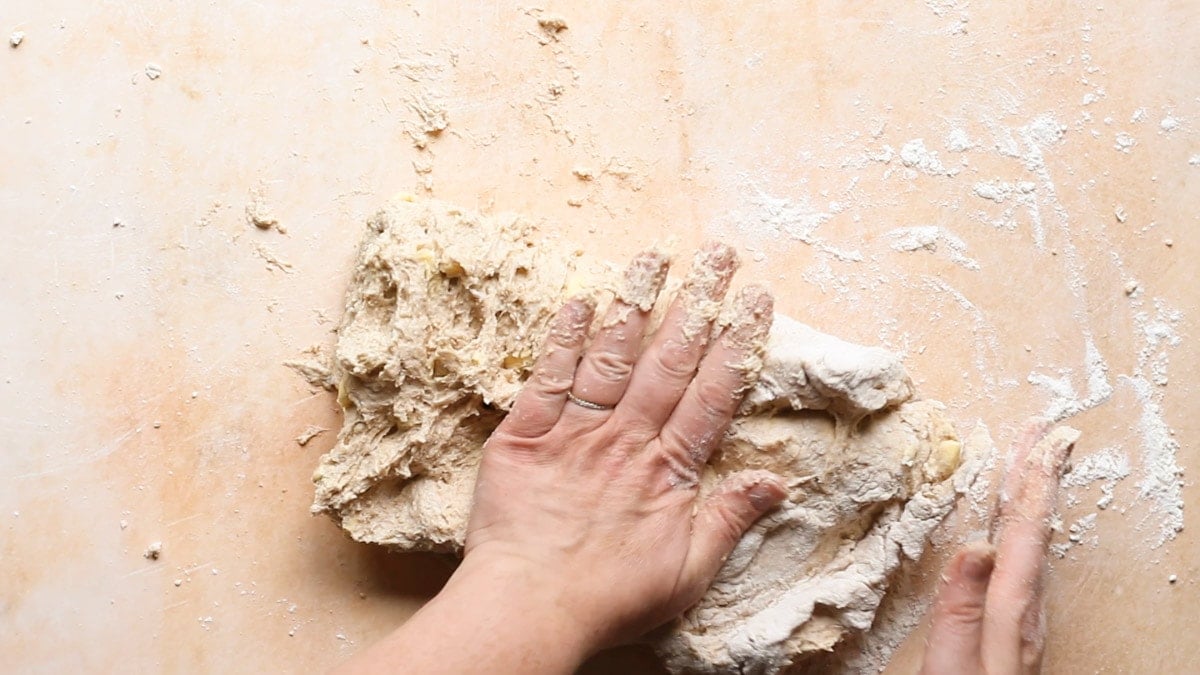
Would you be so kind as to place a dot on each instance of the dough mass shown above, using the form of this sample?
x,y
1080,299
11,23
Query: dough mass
x,y
443,318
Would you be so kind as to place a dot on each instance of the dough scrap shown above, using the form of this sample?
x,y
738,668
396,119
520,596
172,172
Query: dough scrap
x,y
443,318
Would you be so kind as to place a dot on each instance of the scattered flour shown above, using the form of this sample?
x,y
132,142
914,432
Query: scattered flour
x,y
1124,142
927,238
765,218
1106,466
958,141
1082,531
1020,195
1160,482
1064,402
916,156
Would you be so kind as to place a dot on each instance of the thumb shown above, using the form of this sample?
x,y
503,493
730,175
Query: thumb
x,y
956,634
724,517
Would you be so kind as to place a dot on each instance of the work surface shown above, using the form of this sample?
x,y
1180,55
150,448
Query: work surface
x,y
1007,193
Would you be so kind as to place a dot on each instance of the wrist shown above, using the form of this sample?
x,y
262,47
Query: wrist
x,y
520,605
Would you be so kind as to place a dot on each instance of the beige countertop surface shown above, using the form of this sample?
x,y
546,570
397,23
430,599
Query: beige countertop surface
x,y
1007,193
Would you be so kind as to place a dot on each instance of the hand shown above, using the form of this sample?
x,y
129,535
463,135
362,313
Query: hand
x,y
598,508
587,528
989,615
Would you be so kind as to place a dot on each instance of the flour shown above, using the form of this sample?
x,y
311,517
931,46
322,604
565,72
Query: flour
x,y
927,238
1080,532
441,327
1020,195
1124,143
915,155
1065,403
763,218
1107,467
1160,483
958,141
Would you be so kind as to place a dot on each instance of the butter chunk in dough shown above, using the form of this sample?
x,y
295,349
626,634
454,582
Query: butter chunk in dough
x,y
444,315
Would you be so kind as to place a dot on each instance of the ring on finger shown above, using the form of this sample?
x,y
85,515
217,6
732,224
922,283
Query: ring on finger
x,y
590,405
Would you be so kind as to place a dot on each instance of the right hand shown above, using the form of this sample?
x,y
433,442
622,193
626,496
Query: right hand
x,y
989,617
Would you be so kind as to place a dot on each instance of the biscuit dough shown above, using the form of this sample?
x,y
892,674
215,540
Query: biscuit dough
x,y
443,318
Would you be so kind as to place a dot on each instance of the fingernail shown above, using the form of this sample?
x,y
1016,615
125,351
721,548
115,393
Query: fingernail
x,y
712,268
978,563
765,495
644,279
751,320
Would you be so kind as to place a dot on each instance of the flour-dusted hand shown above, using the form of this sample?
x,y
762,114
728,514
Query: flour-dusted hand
x,y
589,488
989,616
587,527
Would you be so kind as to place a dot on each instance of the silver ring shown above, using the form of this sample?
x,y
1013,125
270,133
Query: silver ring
x,y
583,403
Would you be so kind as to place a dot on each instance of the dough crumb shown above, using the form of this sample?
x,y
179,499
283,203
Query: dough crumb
x,y
309,433
17,37
583,173
1131,287
1172,579
552,24
259,214
153,551
153,71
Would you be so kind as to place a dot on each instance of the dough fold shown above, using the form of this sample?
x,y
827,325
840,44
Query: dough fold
x,y
443,318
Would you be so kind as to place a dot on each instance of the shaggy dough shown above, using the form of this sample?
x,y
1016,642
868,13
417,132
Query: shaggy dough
x,y
443,317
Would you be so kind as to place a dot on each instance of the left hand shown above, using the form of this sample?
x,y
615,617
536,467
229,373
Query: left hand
x,y
596,511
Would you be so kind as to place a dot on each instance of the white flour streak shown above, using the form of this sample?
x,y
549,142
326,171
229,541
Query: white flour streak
x,y
987,345
1022,194
1161,481
1064,402
766,218
927,238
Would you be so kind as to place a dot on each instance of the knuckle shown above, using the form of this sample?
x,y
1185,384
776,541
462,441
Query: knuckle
x,y
679,464
610,366
715,399
674,442
962,616
553,384
730,520
676,361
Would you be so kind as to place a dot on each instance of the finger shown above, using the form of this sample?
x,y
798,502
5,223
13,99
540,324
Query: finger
x,y
727,371
1031,432
663,372
1014,599
956,631
721,521
538,406
608,361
